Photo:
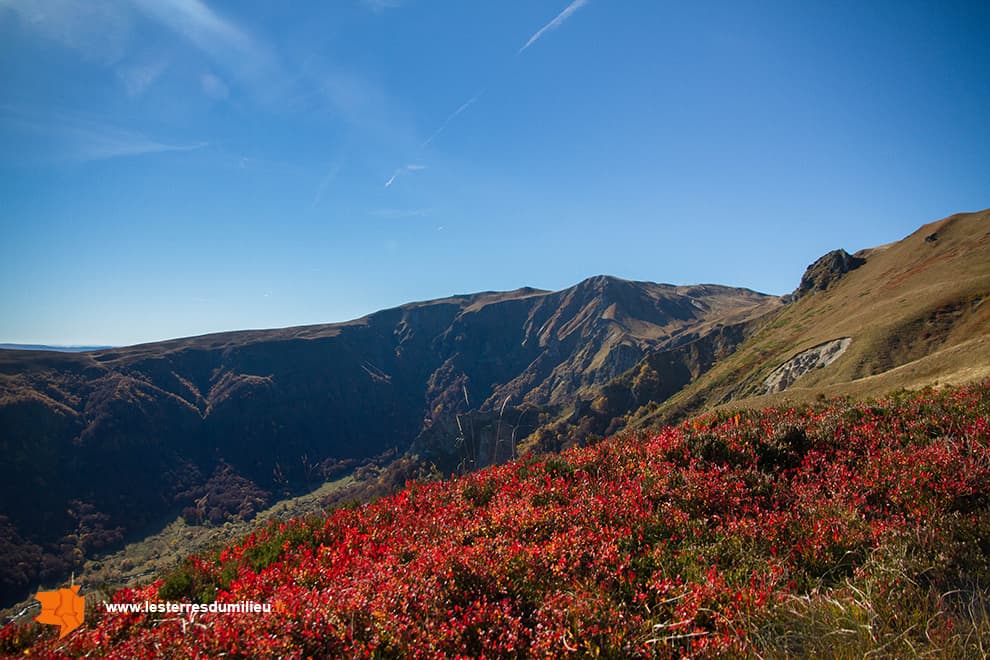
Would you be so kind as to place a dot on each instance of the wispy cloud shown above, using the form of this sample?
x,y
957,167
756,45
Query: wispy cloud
x,y
103,142
555,23
71,137
97,29
365,107
137,78
402,171
464,106
199,24
232,49
105,31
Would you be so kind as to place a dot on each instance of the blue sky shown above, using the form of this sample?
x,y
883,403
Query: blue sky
x,y
176,167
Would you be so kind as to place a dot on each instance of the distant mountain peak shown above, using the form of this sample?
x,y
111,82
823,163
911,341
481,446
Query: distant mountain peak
x,y
51,347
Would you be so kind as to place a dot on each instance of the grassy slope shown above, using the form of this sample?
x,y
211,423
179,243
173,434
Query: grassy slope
x,y
915,312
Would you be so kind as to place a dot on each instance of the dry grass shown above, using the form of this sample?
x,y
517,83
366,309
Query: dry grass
x,y
884,611
916,311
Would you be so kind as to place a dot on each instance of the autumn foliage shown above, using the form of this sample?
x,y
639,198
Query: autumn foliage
x,y
724,535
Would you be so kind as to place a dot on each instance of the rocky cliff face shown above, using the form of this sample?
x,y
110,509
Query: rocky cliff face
x,y
98,445
826,271
659,375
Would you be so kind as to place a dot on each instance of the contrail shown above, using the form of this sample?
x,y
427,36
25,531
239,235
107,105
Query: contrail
x,y
406,169
464,106
555,23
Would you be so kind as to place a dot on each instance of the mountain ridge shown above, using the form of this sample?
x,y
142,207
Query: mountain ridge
x,y
247,414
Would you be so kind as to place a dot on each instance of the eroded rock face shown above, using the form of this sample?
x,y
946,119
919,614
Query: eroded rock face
x,y
826,271
816,357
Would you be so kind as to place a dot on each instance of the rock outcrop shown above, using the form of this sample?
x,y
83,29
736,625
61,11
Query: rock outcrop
x,y
816,357
825,272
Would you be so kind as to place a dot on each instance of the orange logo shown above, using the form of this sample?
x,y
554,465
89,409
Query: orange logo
x,y
64,608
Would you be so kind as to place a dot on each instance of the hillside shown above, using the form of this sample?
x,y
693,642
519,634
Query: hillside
x,y
907,314
914,312
108,447
99,447
842,530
